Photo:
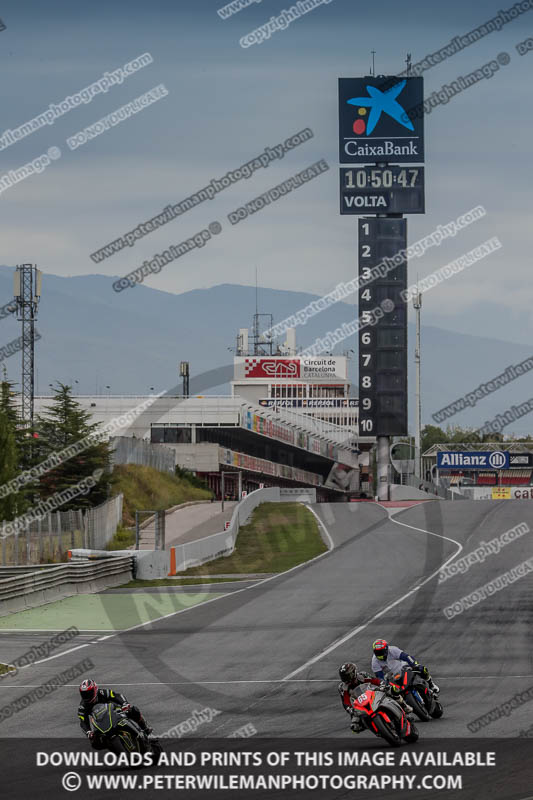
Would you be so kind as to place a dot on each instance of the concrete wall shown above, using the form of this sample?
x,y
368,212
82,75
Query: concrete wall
x,y
151,564
201,457
297,495
410,493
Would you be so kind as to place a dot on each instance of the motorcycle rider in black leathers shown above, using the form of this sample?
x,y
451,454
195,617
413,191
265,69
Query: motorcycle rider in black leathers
x,y
91,695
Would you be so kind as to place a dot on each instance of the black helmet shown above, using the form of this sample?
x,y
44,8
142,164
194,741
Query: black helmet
x,y
348,672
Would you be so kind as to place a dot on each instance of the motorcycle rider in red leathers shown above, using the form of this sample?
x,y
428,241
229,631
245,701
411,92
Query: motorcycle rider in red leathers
x,y
351,678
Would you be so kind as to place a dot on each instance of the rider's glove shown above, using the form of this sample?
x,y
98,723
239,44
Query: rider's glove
x,y
383,686
126,707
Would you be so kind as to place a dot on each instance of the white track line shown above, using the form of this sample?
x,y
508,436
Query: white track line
x,y
183,683
383,611
224,683
202,604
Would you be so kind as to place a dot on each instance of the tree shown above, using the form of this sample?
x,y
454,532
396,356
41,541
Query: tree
x,y
458,435
492,437
65,423
23,434
430,435
9,458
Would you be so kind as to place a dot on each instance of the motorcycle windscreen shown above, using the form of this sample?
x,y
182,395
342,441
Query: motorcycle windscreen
x,y
102,717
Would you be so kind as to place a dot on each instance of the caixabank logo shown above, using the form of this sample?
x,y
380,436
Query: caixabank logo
x,y
374,120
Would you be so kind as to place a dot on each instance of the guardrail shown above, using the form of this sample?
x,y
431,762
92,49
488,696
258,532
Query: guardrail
x,y
27,587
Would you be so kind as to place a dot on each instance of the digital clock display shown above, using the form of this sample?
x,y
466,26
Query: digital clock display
x,y
383,177
383,190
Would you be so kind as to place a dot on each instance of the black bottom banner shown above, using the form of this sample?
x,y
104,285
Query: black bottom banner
x,y
462,769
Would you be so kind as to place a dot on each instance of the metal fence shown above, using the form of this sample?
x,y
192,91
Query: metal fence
x,y
128,450
48,540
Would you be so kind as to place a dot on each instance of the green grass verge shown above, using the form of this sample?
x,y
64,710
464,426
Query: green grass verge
x,y
147,488
279,536
175,582
124,537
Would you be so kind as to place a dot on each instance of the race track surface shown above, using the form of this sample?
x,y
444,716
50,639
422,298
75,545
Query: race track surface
x,y
268,653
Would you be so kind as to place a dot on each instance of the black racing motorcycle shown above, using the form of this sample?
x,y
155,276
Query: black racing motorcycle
x,y
121,734
416,693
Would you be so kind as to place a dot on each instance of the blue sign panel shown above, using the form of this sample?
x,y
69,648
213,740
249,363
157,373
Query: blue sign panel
x,y
381,119
456,459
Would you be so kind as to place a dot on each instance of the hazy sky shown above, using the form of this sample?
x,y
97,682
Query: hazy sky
x,y
225,104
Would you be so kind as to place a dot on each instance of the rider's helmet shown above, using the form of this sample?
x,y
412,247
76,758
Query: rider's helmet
x,y
348,672
381,649
88,690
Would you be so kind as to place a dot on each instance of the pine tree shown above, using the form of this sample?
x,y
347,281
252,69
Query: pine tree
x,y
65,423
23,442
9,457
23,435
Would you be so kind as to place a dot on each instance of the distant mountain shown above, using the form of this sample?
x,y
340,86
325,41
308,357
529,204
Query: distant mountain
x,y
135,340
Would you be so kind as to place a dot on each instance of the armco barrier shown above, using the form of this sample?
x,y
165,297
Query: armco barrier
x,y
31,587
192,554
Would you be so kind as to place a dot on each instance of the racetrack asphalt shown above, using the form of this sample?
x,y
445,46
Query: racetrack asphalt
x,y
268,652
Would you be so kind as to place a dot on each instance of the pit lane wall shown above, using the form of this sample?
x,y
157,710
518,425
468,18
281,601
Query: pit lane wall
x,y
151,564
192,554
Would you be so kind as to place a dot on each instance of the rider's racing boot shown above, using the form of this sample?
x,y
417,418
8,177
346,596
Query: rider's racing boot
x,y
144,727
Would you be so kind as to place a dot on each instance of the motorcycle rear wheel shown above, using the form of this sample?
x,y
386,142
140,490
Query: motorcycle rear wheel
x,y
438,710
156,749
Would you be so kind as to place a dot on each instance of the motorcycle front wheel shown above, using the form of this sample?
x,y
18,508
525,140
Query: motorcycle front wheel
x,y
117,746
413,734
387,731
417,706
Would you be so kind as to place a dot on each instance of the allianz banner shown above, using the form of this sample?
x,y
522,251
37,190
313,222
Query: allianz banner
x,y
457,459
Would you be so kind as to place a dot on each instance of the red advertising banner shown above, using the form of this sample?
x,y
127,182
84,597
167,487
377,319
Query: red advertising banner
x,y
272,368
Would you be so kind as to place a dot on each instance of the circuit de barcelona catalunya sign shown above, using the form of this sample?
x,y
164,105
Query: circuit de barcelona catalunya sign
x,y
474,460
380,120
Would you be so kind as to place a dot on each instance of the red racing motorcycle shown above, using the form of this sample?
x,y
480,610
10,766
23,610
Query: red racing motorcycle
x,y
382,715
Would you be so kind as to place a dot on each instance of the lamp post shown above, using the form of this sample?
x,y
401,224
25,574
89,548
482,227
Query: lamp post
x,y
417,305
